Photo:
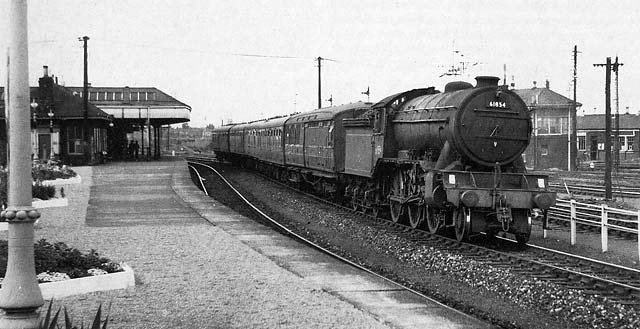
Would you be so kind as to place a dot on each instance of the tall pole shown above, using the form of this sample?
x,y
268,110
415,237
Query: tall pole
x,y
607,129
85,104
148,133
319,83
615,69
573,147
20,294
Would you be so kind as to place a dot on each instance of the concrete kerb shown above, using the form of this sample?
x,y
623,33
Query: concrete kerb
x,y
89,284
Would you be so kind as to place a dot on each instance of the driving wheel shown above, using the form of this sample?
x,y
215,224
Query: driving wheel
x,y
416,214
462,223
433,221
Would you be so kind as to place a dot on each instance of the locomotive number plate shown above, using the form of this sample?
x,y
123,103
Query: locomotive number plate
x,y
497,105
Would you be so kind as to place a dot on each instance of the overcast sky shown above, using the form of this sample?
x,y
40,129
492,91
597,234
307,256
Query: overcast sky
x,y
243,60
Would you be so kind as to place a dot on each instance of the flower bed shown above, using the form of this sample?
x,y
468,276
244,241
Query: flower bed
x,y
40,173
99,281
58,262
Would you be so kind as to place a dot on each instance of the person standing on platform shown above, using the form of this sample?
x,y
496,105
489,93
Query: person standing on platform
x,y
130,150
136,147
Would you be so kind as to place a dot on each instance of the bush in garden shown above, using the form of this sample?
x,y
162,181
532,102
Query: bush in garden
x,y
43,192
39,173
43,171
49,322
58,257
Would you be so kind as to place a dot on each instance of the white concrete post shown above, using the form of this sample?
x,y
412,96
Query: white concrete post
x,y
20,295
604,228
573,222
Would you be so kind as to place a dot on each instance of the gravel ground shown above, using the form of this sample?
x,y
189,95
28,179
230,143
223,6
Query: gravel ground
x,y
190,276
509,299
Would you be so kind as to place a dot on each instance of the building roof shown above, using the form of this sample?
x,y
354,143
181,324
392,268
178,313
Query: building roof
x,y
543,97
596,121
66,105
138,103
159,97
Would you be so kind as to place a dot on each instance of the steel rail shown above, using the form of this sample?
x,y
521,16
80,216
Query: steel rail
x,y
522,258
324,250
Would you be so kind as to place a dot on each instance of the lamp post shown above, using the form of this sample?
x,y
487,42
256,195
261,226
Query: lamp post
x,y
34,124
85,105
20,295
50,114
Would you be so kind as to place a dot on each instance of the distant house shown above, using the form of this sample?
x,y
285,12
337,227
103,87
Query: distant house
x,y
591,136
549,147
57,125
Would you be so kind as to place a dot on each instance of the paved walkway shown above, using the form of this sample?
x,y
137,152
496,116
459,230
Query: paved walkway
x,y
191,273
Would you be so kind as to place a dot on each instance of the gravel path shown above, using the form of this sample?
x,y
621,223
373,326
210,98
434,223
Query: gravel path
x,y
189,274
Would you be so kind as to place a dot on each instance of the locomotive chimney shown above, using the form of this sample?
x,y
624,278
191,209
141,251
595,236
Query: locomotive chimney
x,y
486,81
45,70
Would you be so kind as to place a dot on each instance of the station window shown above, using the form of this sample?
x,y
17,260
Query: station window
x,y
582,143
117,96
74,139
552,125
134,96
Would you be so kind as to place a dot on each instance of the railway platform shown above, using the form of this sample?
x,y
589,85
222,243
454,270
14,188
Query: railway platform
x,y
199,264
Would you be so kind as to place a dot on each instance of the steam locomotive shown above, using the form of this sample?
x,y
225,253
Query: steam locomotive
x,y
441,160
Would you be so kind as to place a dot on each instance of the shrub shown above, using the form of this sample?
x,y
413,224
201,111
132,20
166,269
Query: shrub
x,y
42,171
39,172
43,192
58,257
49,322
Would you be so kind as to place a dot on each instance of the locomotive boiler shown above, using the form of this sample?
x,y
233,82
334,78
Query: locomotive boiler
x,y
448,159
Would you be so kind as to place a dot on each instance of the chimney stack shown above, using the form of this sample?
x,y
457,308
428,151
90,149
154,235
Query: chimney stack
x,y
486,81
45,70
546,84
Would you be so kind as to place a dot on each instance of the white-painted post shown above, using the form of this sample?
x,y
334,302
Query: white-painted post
x,y
604,227
545,223
573,222
20,295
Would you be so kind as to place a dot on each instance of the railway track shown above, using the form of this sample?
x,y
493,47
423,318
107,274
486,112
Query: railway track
x,y
197,166
618,283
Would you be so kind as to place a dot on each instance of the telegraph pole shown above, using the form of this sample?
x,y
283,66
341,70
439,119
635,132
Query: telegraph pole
x,y
85,104
607,129
573,148
319,82
615,66
20,295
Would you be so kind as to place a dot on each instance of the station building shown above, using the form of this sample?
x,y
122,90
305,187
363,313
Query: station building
x,y
138,114
591,136
115,117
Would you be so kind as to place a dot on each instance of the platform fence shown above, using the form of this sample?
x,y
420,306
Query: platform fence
x,y
602,216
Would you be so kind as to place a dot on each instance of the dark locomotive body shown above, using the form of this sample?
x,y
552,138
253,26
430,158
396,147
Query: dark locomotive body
x,y
449,159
